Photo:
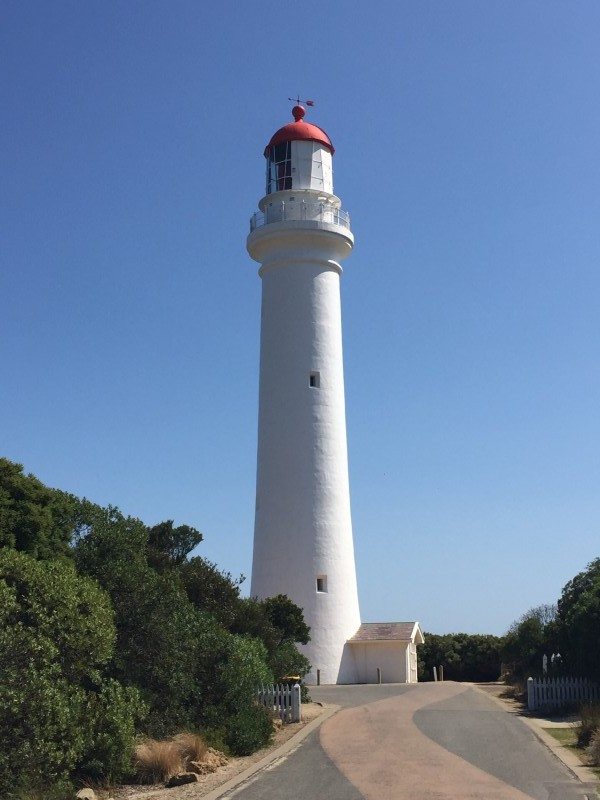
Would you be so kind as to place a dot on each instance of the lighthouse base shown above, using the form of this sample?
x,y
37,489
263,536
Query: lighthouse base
x,y
343,671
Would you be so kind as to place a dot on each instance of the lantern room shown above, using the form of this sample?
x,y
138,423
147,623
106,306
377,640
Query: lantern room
x,y
299,156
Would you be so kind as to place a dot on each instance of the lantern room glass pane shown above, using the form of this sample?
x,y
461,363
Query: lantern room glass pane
x,y
279,168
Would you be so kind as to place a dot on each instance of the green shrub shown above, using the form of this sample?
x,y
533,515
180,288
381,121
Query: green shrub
x,y
34,518
41,738
248,730
243,671
157,627
60,607
56,633
593,750
287,660
110,717
464,656
579,622
590,723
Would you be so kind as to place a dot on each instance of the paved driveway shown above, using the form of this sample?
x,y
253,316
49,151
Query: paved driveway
x,y
427,742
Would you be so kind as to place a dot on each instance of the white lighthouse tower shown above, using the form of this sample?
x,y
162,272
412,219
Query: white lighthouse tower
x,y
303,530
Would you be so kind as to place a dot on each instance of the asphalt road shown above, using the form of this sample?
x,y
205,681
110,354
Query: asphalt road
x,y
425,742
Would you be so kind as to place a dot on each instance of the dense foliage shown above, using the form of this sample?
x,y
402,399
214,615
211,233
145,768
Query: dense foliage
x,y
464,656
571,628
109,629
33,518
57,709
578,618
528,639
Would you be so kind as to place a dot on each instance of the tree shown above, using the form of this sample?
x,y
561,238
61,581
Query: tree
x,y
578,623
277,622
168,546
528,639
34,518
156,625
211,590
288,618
464,656
174,652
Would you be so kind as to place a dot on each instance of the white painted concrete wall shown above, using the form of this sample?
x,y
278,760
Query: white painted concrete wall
x,y
391,657
303,526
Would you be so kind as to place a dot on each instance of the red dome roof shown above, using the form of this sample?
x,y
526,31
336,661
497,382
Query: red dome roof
x,y
300,131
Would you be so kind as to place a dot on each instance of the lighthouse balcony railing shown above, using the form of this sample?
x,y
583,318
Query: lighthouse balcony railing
x,y
314,212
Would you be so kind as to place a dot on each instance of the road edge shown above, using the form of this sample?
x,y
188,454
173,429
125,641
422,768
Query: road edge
x,y
571,762
274,755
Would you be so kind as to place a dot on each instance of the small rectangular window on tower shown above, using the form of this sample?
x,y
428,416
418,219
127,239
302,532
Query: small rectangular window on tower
x,y
314,380
321,583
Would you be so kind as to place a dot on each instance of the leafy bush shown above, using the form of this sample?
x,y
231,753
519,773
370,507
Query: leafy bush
x,y
211,590
590,723
33,518
579,623
593,749
248,730
192,672
162,635
464,656
287,660
111,716
243,671
157,627
56,632
527,640
41,739
287,618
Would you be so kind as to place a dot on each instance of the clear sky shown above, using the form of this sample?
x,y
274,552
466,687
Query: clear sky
x,y
467,139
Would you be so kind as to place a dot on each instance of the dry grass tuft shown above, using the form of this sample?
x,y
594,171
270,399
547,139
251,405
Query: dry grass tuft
x,y
156,761
192,746
590,723
593,750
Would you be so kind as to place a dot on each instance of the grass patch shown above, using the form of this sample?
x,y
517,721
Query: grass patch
x,y
568,738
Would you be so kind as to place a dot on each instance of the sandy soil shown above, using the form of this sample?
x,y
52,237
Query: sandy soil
x,y
502,692
207,783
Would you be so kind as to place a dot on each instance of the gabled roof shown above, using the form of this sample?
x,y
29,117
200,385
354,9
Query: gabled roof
x,y
388,632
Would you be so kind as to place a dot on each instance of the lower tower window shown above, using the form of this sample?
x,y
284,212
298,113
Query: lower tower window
x,y
321,583
314,380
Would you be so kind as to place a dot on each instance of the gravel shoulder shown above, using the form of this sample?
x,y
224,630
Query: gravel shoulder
x,y
207,784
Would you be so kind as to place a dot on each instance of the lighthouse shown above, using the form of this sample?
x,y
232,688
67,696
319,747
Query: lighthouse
x,y
303,544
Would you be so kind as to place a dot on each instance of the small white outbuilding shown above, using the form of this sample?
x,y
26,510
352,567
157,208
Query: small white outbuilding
x,y
386,652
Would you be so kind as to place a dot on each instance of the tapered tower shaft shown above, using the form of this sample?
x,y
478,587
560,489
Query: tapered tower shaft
x,y
303,531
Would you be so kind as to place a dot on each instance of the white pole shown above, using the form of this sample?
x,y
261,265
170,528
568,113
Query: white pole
x,y
296,703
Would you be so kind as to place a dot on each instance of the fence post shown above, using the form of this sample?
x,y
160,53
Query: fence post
x,y
530,695
378,674
318,677
296,703
434,674
442,672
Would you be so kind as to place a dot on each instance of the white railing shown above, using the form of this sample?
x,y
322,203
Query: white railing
x,y
560,692
283,700
314,212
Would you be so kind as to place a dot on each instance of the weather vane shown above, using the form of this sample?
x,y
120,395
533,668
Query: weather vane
x,y
301,102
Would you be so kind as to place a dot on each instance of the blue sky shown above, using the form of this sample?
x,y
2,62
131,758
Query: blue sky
x,y
467,152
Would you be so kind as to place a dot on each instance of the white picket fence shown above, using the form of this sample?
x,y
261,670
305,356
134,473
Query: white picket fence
x,y
559,692
283,700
